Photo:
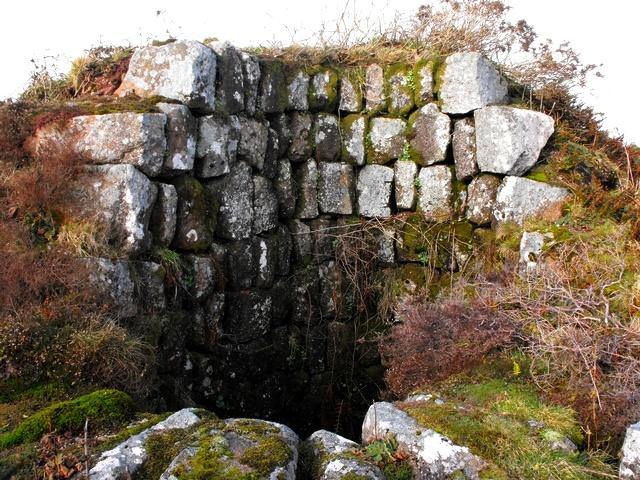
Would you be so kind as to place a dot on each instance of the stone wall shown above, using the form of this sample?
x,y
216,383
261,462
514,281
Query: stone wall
x,y
222,205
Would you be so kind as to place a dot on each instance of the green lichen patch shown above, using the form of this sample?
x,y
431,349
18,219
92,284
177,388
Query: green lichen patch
x,y
399,86
422,81
323,89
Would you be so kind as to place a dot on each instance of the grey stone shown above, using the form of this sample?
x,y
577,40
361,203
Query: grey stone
x,y
272,93
162,223
114,279
181,461
184,71
351,86
399,90
248,315
266,260
329,288
300,148
353,129
194,218
265,205
464,149
298,91
279,122
509,140
435,456
202,273
150,286
386,139
251,80
423,79
323,231
302,241
531,245
559,443
335,188
374,191
181,131
520,198
206,323
230,78
241,264
285,249
306,181
234,195
469,81
435,195
217,146
284,189
405,184
481,198
126,459
253,141
270,167
323,91
630,454
385,238
327,137
374,88
431,134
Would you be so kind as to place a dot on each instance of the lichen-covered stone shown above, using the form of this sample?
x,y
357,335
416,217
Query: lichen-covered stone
x,y
468,81
272,92
229,78
300,148
206,322
399,90
423,82
630,454
248,315
374,191
285,189
324,244
195,216
114,279
386,139
431,134
405,184
202,272
481,197
265,205
298,91
181,131
272,155
306,181
374,88
184,71
251,80
464,149
435,194
217,145
234,195
520,198
163,217
285,248
509,140
327,137
149,280
279,122
241,264
531,246
302,241
265,251
323,91
353,130
351,87
335,188
385,238
254,136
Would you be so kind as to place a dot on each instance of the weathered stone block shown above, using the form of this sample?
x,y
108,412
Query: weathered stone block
x,y
265,251
251,80
509,140
330,291
423,82
469,81
253,141
150,285
405,184
323,234
351,88
353,130
323,91
272,93
300,148
115,280
386,139
284,189
279,122
298,91
265,205
520,198
327,137
481,198
374,88
217,145
229,78
195,216
207,323
399,90
184,71
270,167
248,315
435,195
202,272
163,217
464,149
302,241
181,130
374,191
431,133
306,181
285,248
241,264
335,188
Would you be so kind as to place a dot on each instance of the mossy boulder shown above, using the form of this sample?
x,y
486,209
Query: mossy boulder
x,y
323,90
399,89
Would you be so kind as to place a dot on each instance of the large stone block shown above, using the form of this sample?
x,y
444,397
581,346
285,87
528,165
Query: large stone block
x,y
164,215
435,197
149,280
335,188
279,122
302,241
469,81
195,218
327,137
202,273
306,181
251,80
509,140
323,91
298,91
229,78
520,198
431,131
353,130
184,71
481,197
423,82
399,90
386,139
182,131
374,88
300,148
234,195
351,88
254,136
265,205
272,93
248,315
241,264
114,279
217,145
374,191
285,189
405,184
464,149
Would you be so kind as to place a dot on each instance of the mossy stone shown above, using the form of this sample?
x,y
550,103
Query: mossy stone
x,y
399,89
323,90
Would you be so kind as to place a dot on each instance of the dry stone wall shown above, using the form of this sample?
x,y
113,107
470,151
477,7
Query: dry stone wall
x,y
240,175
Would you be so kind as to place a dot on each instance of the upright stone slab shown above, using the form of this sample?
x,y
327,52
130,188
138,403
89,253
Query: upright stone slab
x,y
374,88
405,184
520,198
300,126
327,137
254,136
423,82
435,198
399,89
464,149
374,191
386,139
181,131
241,264
298,91
469,81
195,216
351,87
353,130
251,80
335,188
265,205
285,189
431,131
229,78
272,92
163,217
217,145
509,140
323,91
280,123
306,180
481,197
184,71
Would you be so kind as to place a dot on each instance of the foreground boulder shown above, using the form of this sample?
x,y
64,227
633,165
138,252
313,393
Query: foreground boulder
x,y
630,454
520,198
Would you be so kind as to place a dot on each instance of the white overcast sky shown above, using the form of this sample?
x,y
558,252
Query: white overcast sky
x,y
604,32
